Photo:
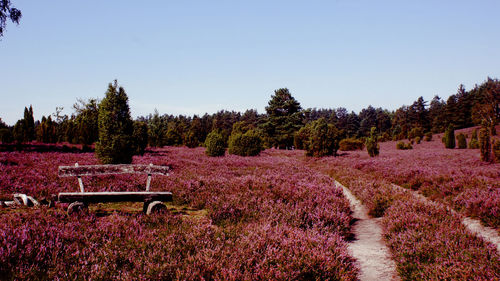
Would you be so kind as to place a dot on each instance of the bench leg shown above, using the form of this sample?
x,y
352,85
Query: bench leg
x,y
77,208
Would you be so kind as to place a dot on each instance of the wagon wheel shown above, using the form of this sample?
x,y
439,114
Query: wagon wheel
x,y
77,208
155,207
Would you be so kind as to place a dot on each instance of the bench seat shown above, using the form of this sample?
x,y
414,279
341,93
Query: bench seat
x,y
107,196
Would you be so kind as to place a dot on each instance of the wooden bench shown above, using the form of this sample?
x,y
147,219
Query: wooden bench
x,y
153,201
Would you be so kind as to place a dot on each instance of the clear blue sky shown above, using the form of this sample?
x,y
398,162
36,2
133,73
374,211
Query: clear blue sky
x,y
192,57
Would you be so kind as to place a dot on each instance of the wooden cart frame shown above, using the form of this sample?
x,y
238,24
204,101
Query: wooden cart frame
x,y
79,201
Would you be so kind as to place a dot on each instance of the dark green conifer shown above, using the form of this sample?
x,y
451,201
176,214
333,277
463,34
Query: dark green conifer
x,y
449,137
115,143
247,144
474,142
462,142
485,144
214,144
324,139
372,145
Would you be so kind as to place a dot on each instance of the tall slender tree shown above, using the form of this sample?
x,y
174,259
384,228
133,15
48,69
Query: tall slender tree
x,y
115,143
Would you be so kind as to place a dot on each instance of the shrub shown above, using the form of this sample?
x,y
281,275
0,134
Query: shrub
x,y
496,151
115,143
191,140
462,142
449,137
484,144
474,142
417,140
381,203
215,144
402,146
416,132
386,137
324,139
247,144
351,144
172,137
301,138
428,136
371,144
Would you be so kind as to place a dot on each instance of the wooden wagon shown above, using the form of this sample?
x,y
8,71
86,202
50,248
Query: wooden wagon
x,y
79,201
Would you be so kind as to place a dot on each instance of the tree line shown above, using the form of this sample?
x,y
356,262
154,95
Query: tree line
x,y
283,124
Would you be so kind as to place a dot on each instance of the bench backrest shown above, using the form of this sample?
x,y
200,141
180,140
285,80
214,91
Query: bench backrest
x,y
95,170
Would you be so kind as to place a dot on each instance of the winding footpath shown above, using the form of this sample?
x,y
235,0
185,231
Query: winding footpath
x,y
368,247
487,233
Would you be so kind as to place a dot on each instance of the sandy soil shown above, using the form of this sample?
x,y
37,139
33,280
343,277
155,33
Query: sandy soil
x,y
487,233
368,247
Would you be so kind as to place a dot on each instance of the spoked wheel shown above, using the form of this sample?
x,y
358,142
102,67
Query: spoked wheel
x,y
155,207
77,208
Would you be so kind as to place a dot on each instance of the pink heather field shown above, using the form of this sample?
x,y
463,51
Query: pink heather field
x,y
232,218
455,177
277,216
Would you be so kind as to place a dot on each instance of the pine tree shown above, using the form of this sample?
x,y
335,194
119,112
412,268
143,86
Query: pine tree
x,y
29,124
115,143
284,118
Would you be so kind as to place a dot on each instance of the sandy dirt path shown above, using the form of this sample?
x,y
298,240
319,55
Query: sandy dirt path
x,y
368,247
487,233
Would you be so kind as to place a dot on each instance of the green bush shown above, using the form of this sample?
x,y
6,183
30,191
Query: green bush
x,y
416,132
417,140
484,144
247,144
449,137
324,139
372,145
215,144
386,137
474,142
462,141
428,136
172,137
115,144
191,139
351,144
301,138
403,146
380,204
